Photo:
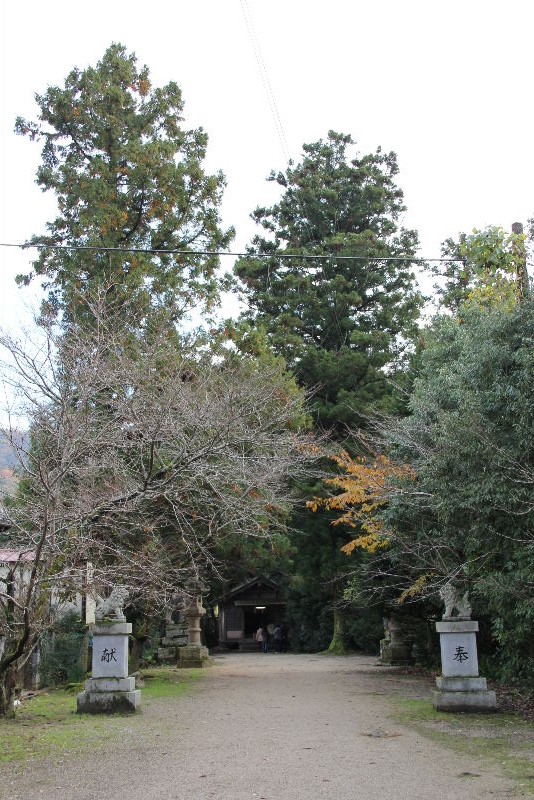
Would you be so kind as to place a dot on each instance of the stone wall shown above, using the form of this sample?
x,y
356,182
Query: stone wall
x,y
175,637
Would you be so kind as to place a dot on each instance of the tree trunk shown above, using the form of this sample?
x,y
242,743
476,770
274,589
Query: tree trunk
x,y
84,660
337,645
7,691
136,653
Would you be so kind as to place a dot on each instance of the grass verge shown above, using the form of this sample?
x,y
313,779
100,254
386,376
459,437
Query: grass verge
x,y
48,726
505,740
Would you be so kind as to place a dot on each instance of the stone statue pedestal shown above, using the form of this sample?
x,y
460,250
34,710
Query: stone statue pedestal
x,y
110,690
193,654
460,688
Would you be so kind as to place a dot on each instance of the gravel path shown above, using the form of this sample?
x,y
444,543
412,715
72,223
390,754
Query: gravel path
x,y
268,727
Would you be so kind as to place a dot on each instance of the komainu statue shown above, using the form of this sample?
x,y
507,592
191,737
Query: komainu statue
x,y
112,607
451,597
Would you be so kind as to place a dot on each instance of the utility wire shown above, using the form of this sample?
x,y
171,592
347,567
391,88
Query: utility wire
x,y
264,77
154,251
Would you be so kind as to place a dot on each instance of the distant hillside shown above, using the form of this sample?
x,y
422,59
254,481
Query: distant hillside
x,y
8,457
8,481
8,462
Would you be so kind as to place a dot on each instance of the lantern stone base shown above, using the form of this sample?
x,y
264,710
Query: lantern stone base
x,y
394,654
463,694
192,655
109,696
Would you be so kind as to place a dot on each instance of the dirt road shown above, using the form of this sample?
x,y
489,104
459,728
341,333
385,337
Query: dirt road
x,y
269,727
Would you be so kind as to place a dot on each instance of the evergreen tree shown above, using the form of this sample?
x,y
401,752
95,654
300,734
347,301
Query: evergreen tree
x,y
470,443
453,498
341,324
126,175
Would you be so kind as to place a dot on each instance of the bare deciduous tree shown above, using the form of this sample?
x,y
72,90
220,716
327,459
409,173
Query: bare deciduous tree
x,y
143,454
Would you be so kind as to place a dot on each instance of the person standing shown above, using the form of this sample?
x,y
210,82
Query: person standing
x,y
260,633
285,639
277,636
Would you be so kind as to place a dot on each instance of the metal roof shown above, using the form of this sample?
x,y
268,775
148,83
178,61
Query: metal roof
x,y
12,556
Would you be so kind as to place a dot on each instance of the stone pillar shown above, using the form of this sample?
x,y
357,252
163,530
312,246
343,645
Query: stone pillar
x,y
193,654
460,688
110,689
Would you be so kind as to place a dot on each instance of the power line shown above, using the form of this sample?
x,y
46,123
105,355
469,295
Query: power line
x,y
264,77
156,251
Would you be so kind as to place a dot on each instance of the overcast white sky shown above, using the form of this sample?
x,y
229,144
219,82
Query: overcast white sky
x,y
448,86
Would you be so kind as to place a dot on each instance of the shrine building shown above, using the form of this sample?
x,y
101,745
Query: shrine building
x,y
241,611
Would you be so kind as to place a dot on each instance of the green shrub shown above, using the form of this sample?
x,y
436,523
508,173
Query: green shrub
x,y
62,652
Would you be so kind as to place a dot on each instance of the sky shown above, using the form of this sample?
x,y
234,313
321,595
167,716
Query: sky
x,y
447,86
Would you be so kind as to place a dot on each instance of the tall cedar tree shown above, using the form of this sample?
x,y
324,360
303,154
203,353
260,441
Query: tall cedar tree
x,y
126,175
341,325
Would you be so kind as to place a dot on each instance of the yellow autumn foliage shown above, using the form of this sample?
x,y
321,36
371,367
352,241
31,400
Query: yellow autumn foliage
x,y
415,589
363,493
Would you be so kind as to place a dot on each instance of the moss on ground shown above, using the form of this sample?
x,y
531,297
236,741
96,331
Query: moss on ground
x,y
505,740
48,725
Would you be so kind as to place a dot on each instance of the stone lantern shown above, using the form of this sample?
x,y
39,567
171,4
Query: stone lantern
x,y
193,654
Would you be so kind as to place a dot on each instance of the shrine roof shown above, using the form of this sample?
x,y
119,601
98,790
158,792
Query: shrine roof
x,y
249,584
12,556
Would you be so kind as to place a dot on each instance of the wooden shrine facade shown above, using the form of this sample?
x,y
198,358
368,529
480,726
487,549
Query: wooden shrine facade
x,y
258,602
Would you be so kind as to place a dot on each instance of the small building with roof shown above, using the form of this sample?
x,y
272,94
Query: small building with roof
x,y
256,603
